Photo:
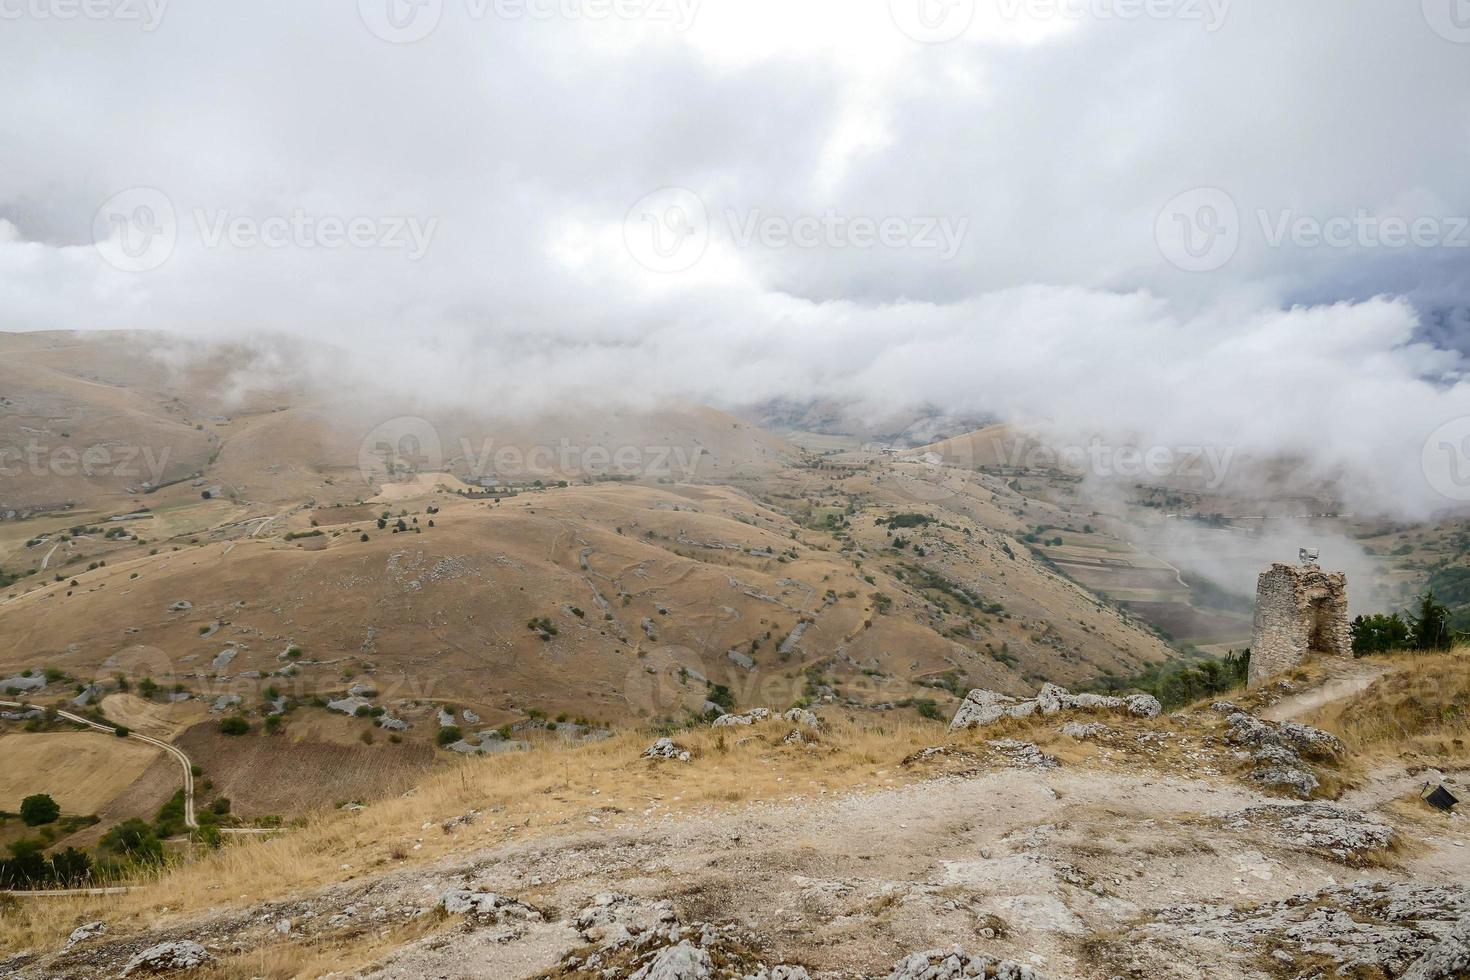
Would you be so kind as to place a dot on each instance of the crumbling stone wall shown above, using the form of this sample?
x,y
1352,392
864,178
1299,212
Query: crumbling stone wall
x,y
1299,608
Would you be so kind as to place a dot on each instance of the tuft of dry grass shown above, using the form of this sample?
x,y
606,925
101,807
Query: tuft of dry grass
x,y
1421,707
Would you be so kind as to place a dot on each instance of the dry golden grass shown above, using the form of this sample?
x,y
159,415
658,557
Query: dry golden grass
x,y
1422,706
521,796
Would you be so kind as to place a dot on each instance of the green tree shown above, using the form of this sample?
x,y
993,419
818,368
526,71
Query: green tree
x,y
234,725
1430,628
39,809
1379,634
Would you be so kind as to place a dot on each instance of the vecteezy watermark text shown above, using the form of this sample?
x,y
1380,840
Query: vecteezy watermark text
x,y
407,21
401,447
138,230
1210,465
1202,229
34,458
147,14
670,230
941,21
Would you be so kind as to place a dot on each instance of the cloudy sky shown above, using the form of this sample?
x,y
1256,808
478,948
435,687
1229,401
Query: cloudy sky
x,y
1231,222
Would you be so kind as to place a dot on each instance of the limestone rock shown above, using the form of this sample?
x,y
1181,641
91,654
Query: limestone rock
x,y
1448,959
802,717
666,748
184,954
84,932
1346,834
981,707
956,964
1024,754
487,907
684,961
348,706
748,718
1082,731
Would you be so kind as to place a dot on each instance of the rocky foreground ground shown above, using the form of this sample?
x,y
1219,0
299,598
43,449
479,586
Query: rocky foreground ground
x,y
1177,847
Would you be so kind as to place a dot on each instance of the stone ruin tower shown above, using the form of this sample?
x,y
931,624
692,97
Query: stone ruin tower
x,y
1299,609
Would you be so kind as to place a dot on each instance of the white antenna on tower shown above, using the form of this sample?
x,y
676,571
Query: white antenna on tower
x,y
1308,556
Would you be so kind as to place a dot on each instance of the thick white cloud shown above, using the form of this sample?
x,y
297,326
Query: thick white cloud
x,y
1044,147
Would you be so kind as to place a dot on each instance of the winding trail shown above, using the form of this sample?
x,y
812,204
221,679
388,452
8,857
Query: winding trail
x,y
1352,679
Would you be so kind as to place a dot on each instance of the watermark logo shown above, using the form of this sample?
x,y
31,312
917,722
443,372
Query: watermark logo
x,y
932,21
300,230
399,449
1199,230
147,14
136,230
401,21
35,458
1207,466
1363,229
407,21
668,230
1446,459
944,235
1450,19
666,681
1210,13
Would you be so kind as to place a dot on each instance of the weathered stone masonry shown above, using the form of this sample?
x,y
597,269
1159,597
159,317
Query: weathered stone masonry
x,y
1299,608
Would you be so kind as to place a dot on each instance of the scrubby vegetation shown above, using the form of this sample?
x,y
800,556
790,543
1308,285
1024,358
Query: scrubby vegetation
x,y
1428,627
1180,682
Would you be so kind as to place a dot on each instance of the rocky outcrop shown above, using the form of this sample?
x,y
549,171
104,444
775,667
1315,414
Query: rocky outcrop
x,y
1447,959
1280,752
183,954
748,718
982,707
489,909
82,933
1338,832
1023,754
667,748
802,717
684,961
644,940
956,964
1363,930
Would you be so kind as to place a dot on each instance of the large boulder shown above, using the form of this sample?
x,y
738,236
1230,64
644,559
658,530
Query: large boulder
x,y
982,707
667,748
684,961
